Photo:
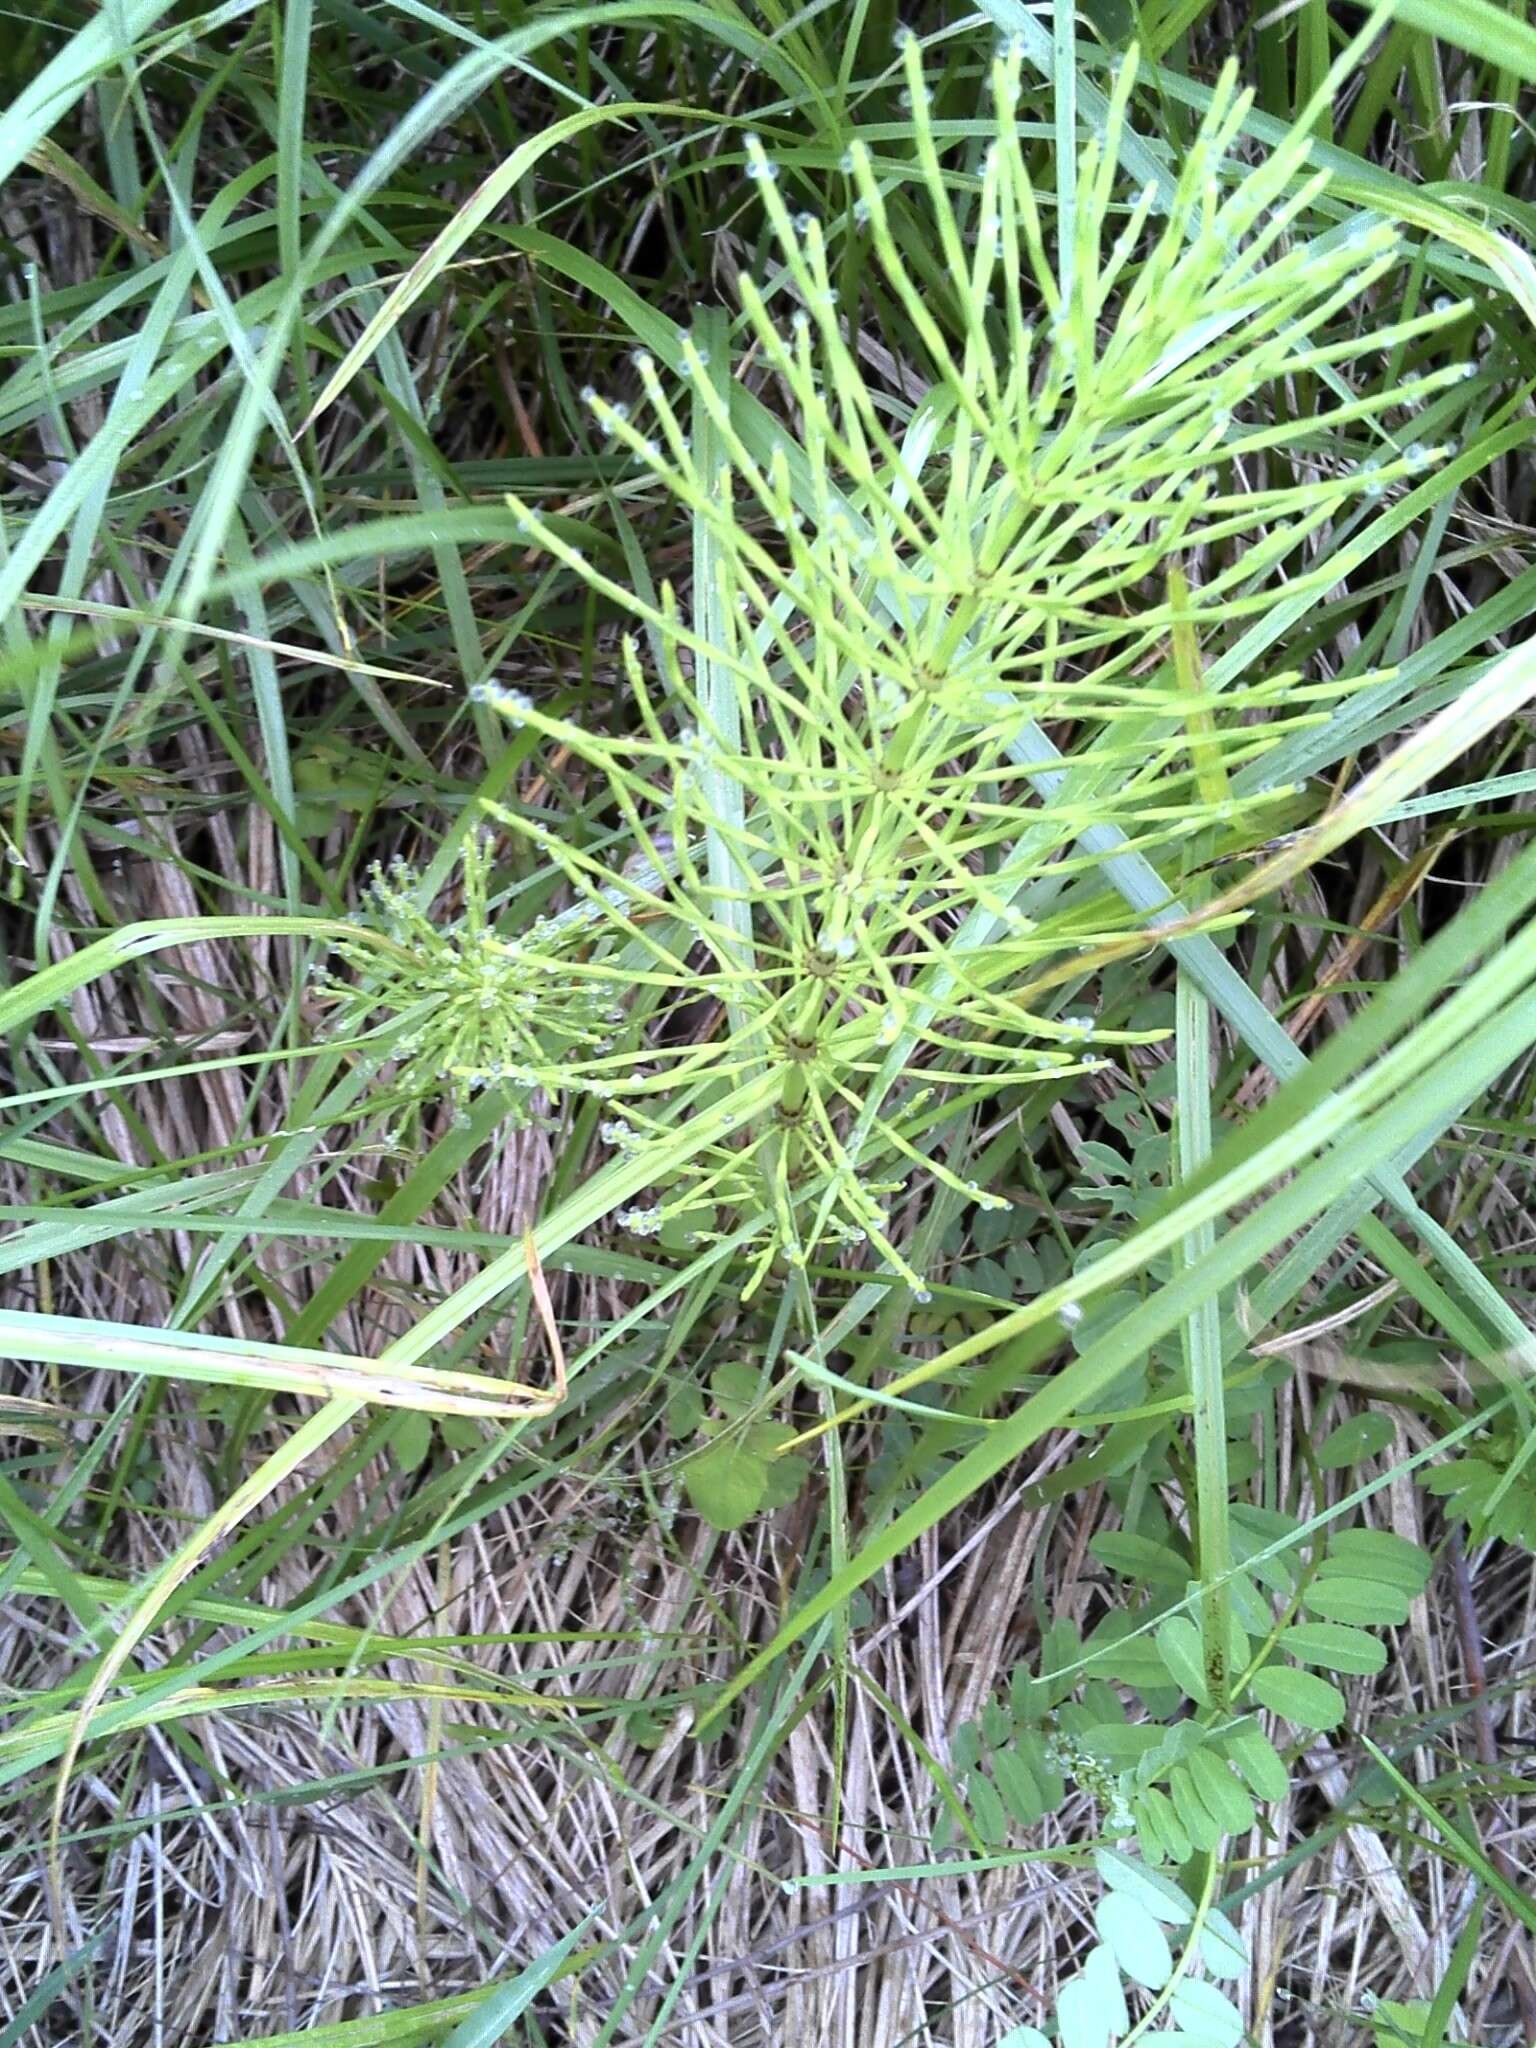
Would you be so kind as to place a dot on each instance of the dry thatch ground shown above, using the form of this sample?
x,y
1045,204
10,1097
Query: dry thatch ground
x,y
305,1864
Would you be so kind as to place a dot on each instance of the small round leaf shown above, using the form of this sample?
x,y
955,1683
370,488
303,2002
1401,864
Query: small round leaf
x,y
1361,1437
725,1483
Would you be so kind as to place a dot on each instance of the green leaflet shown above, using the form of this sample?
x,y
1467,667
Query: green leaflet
x,y
1301,1696
1138,1942
1334,1648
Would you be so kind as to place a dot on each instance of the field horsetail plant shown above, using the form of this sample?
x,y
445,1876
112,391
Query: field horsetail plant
x,y
836,838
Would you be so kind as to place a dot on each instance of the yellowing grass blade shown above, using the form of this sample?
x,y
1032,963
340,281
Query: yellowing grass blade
x,y
276,1368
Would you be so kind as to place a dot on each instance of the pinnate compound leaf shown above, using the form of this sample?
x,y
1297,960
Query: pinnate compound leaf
x,y
1301,1696
1139,1945
1024,2037
1482,1495
1333,1647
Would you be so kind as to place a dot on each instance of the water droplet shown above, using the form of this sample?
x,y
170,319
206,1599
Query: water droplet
x,y
1070,1313
922,1294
